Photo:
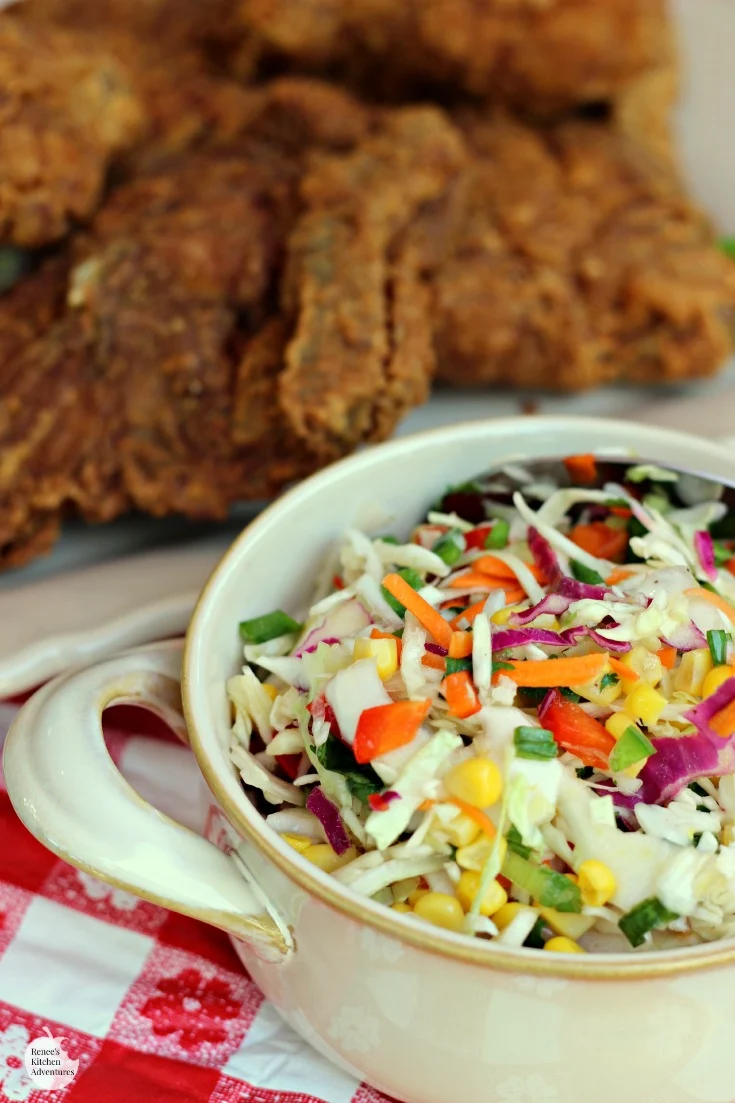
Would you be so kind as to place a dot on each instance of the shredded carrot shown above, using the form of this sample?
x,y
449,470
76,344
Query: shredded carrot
x,y
623,671
723,722
425,614
461,695
473,580
582,468
461,645
479,817
575,671
600,540
426,805
621,511
377,635
619,575
512,597
713,599
667,655
450,603
496,568
436,662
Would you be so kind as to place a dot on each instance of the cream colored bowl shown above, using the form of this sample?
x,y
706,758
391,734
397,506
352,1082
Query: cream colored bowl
x,y
425,1015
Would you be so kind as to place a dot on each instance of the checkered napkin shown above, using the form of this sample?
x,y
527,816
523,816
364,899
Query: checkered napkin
x,y
153,1005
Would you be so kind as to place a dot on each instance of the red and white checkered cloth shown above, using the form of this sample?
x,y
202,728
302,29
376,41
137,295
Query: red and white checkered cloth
x,y
152,1004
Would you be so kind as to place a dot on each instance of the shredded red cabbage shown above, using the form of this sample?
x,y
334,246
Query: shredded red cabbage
x,y
436,649
553,604
329,817
329,641
519,637
686,638
574,635
706,552
379,802
582,591
544,557
702,713
345,620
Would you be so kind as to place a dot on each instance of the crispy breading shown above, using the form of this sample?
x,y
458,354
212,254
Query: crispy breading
x,y
538,56
348,376
65,112
577,260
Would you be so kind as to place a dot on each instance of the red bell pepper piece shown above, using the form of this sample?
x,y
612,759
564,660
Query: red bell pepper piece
x,y
289,763
476,537
387,727
575,731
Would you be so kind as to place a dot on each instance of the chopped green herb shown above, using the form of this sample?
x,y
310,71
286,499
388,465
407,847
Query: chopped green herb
x,y
456,666
551,889
534,743
643,918
696,837
697,788
398,633
632,746
455,610
535,940
268,627
608,680
498,535
585,772
535,695
702,808
516,844
499,665
717,641
389,539
413,578
585,574
450,547
361,780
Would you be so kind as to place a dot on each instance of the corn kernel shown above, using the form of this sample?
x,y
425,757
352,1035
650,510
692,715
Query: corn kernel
x,y
715,678
322,855
728,834
646,665
461,830
298,842
503,615
693,669
495,895
477,853
561,945
597,883
568,924
441,909
504,916
644,703
618,723
415,896
403,908
477,781
270,690
385,653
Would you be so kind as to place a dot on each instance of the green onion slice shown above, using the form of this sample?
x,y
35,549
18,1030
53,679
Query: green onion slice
x,y
498,535
643,918
268,627
717,640
450,547
585,574
534,743
549,888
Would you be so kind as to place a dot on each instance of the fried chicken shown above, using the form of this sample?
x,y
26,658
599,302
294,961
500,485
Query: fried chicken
x,y
541,57
577,260
361,355
65,113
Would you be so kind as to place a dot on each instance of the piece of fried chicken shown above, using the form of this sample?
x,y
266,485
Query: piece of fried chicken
x,y
65,112
576,260
541,57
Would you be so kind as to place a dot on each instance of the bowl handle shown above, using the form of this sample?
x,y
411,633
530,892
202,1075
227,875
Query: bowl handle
x,y
68,792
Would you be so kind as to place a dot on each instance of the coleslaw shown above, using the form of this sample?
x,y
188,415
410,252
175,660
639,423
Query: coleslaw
x,y
517,721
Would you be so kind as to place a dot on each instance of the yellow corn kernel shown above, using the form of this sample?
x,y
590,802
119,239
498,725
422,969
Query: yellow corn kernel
x,y
646,665
561,945
270,690
728,834
715,678
503,615
415,896
385,653
568,924
477,853
504,916
461,830
322,855
441,909
693,669
597,883
618,723
477,781
645,703
298,842
403,908
495,895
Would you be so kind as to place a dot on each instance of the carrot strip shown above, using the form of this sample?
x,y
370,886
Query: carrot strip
x,y
512,597
582,468
575,671
461,695
425,614
600,540
461,645
623,671
436,662
377,635
479,817
619,575
473,580
426,805
385,728
497,568
667,655
713,599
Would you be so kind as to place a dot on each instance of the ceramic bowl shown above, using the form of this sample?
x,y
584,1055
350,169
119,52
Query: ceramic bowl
x,y
426,1016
